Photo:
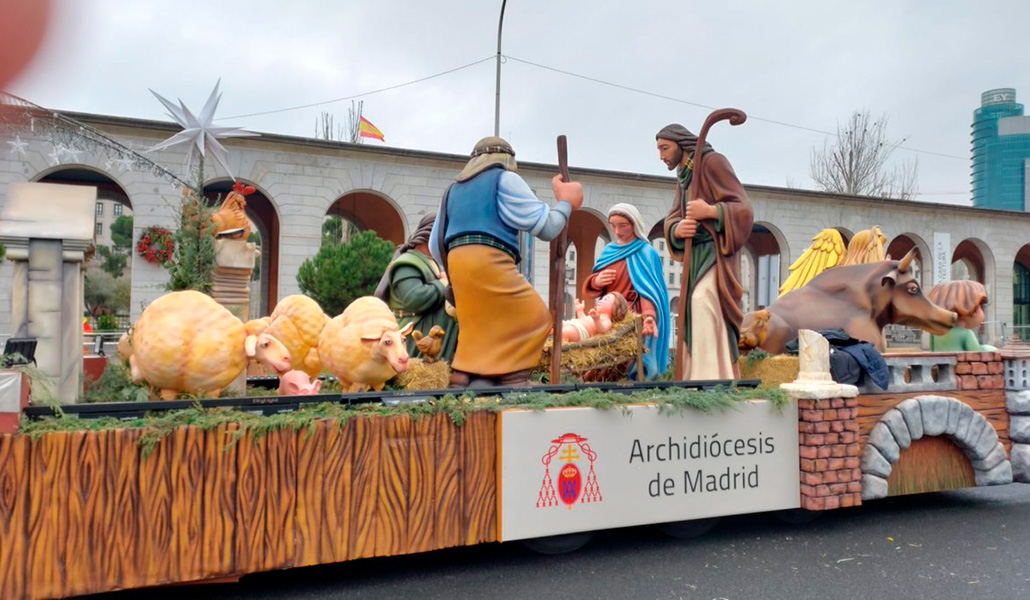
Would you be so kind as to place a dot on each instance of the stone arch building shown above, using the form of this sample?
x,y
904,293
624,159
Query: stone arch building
x,y
390,189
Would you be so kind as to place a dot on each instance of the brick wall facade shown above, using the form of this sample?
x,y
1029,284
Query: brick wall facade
x,y
831,474
980,371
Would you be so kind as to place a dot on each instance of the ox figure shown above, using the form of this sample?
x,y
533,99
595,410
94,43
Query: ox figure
x,y
861,299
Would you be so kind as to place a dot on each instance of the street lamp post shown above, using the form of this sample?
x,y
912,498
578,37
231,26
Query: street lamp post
x,y
497,97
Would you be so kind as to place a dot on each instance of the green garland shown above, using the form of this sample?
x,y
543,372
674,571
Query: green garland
x,y
672,401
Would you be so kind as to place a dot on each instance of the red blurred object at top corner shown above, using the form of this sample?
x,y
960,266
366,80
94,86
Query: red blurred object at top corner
x,y
22,25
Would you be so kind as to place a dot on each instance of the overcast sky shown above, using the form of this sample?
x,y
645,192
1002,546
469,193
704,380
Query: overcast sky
x,y
808,63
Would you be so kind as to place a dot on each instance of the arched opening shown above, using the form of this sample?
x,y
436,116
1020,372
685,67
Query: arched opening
x,y
764,254
845,233
108,275
747,270
973,260
932,466
1021,295
902,244
588,233
968,262
366,210
265,233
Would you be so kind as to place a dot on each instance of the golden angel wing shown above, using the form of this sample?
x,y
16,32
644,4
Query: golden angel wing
x,y
865,247
825,252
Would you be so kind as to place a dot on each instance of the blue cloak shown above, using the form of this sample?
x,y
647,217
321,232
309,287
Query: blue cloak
x,y
645,272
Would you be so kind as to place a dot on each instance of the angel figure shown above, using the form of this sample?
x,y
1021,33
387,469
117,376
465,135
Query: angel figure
x,y
828,251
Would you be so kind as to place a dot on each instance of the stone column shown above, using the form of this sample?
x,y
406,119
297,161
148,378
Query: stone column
x,y
827,430
234,265
47,229
1017,401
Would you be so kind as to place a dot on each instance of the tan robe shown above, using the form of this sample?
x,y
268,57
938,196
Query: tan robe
x,y
503,322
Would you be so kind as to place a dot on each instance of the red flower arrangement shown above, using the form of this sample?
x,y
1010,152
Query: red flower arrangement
x,y
156,245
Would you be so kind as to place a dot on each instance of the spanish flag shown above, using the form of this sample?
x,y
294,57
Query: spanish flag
x,y
367,129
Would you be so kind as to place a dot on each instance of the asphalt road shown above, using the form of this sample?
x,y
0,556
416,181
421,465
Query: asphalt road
x,y
968,544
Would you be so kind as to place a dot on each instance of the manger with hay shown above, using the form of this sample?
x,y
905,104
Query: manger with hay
x,y
604,357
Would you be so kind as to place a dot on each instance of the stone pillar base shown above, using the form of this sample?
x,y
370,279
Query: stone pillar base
x,y
234,264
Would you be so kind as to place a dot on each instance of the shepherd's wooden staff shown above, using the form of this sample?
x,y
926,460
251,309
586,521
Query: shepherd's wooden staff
x,y
736,117
556,282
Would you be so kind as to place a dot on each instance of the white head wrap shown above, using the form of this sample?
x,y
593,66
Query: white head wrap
x,y
630,212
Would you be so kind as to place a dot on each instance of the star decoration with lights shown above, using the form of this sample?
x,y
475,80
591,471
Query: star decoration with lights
x,y
72,153
18,146
55,155
199,132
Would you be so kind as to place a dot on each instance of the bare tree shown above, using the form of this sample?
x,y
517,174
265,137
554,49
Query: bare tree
x,y
857,162
325,130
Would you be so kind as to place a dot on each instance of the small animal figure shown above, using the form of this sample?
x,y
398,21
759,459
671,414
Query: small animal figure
x,y
861,299
431,345
297,383
297,322
753,336
187,342
231,215
124,347
364,347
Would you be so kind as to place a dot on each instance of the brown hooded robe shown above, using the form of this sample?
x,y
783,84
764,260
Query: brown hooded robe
x,y
719,186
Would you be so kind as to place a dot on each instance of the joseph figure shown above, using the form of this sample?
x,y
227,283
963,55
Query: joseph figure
x,y
719,221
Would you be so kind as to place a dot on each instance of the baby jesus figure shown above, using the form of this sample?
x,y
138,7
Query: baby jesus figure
x,y
610,308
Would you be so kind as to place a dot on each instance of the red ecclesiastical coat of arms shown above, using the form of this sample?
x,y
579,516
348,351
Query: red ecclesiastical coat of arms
x,y
569,449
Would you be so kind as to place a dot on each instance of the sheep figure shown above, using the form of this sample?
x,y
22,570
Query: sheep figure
x,y
297,322
188,342
364,347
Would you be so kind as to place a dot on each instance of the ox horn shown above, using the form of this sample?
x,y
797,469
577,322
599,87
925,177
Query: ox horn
x,y
906,261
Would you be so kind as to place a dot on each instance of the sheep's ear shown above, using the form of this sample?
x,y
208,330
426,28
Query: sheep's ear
x,y
250,346
407,329
371,337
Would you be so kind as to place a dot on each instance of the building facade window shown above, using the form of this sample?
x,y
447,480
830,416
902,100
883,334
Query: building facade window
x,y
118,210
1021,297
100,208
100,229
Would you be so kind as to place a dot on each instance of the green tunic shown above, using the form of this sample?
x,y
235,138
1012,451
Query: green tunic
x,y
702,251
417,296
959,339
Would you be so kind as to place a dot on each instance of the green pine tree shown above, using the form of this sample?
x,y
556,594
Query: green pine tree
x,y
342,272
193,262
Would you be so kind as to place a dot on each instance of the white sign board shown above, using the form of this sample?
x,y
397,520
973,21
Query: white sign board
x,y
581,469
941,257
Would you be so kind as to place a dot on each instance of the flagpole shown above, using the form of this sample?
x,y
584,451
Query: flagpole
x,y
497,97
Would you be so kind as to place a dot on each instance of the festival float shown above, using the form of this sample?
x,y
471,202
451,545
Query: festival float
x,y
437,413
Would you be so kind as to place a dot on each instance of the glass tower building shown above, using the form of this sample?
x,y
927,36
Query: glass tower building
x,y
1001,152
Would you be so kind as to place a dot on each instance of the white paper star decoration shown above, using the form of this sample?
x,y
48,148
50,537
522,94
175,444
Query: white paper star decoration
x,y
18,146
199,132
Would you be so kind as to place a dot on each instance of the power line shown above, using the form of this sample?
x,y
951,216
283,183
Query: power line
x,y
352,97
689,103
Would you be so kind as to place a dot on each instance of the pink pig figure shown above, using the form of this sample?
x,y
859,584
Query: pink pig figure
x,y
297,383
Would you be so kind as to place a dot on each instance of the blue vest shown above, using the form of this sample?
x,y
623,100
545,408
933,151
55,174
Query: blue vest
x,y
472,210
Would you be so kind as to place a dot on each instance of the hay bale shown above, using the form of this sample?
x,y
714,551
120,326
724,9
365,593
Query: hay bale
x,y
616,347
773,370
425,376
